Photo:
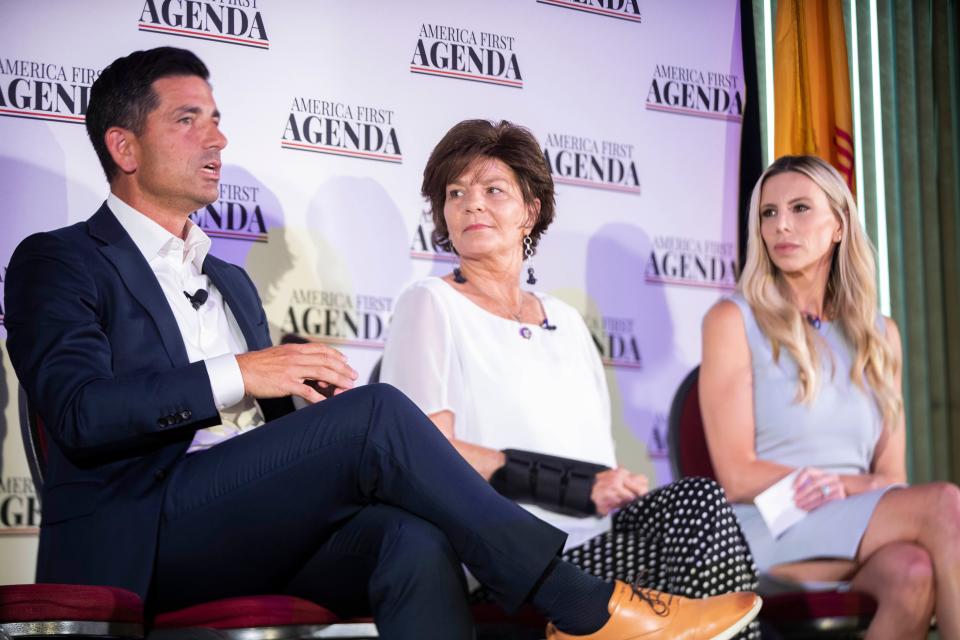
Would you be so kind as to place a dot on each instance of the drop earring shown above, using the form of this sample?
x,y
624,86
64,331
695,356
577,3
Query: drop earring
x,y
458,276
528,256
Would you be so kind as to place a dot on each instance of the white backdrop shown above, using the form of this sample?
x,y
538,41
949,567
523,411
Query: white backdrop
x,y
331,110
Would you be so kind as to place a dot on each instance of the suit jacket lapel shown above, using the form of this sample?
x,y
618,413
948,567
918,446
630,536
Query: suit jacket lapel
x,y
227,283
139,279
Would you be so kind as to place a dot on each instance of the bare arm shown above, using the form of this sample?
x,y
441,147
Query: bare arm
x,y
483,459
726,402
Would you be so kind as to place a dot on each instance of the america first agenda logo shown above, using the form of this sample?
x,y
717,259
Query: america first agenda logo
x,y
585,162
45,91
695,92
238,22
338,317
616,340
463,54
658,443
19,506
692,262
236,215
341,129
423,246
621,9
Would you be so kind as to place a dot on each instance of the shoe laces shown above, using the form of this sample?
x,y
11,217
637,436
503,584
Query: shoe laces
x,y
652,597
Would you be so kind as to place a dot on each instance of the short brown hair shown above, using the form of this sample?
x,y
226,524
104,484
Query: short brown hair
x,y
513,145
123,95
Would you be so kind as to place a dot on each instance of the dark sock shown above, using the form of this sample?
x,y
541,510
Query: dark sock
x,y
575,601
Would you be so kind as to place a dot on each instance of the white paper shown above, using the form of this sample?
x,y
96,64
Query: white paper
x,y
777,507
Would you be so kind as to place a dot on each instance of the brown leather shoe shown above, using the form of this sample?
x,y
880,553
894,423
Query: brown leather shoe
x,y
645,614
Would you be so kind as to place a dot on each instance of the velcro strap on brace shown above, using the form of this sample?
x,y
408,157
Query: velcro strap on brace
x,y
554,483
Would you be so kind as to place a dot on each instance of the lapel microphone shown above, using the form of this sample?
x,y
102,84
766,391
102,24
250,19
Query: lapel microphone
x,y
198,298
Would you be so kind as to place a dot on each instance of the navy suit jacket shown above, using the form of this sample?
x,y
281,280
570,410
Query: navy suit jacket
x,y
98,351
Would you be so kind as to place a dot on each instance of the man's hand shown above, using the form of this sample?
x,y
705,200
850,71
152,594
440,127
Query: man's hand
x,y
615,488
286,370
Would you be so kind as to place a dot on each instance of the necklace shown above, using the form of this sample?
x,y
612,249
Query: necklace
x,y
519,312
524,331
813,320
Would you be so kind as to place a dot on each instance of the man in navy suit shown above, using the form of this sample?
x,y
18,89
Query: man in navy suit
x,y
177,467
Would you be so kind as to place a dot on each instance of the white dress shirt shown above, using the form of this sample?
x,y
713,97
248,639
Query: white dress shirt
x,y
211,332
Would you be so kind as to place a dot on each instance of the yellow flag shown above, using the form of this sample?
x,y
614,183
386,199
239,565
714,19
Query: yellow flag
x,y
812,84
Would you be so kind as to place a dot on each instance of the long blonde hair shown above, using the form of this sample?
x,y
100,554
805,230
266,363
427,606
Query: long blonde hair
x,y
851,295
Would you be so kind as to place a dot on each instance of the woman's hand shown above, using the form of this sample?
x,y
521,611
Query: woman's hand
x,y
615,488
815,487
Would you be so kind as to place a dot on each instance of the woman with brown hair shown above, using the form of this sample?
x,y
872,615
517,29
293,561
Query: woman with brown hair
x,y
512,378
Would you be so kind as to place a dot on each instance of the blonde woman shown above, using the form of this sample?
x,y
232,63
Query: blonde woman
x,y
801,373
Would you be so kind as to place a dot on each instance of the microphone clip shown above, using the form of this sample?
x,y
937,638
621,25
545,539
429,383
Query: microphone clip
x,y
197,298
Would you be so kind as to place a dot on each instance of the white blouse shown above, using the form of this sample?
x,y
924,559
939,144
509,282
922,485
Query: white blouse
x,y
546,394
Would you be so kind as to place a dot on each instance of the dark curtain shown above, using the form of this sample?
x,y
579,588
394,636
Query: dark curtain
x,y
919,77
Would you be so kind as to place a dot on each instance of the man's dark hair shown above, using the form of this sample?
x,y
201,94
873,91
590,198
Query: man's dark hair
x,y
123,95
513,145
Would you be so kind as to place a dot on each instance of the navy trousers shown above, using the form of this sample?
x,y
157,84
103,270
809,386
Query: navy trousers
x,y
355,502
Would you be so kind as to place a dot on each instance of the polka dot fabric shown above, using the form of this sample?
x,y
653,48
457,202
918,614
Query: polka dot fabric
x,y
681,538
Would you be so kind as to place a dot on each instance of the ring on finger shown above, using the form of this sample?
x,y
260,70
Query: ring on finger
x,y
825,490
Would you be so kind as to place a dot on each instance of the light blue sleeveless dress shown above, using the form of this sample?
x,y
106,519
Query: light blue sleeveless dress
x,y
837,432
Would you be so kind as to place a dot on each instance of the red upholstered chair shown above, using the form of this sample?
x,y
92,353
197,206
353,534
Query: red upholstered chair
x,y
64,610
58,610
257,618
801,614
